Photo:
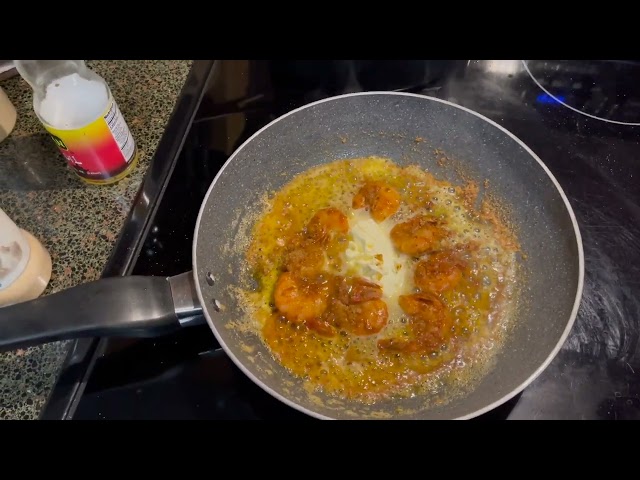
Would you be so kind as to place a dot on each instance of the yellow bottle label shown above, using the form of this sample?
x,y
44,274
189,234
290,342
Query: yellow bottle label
x,y
100,150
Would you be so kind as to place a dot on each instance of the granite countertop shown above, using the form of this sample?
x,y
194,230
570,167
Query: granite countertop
x,y
77,223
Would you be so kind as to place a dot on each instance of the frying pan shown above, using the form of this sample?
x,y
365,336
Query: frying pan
x,y
383,124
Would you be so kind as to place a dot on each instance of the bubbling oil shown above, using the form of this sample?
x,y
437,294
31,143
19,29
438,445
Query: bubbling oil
x,y
352,366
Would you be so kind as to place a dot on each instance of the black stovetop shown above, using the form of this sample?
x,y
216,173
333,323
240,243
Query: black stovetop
x,y
577,116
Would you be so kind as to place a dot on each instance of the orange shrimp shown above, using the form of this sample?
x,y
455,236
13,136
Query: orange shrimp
x,y
418,235
381,200
430,324
357,306
325,222
440,272
306,260
366,318
424,305
299,300
354,290
321,326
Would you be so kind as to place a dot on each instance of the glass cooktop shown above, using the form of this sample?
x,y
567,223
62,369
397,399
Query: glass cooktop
x,y
580,117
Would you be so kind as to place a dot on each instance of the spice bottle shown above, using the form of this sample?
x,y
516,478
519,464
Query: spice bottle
x,y
25,265
76,107
8,115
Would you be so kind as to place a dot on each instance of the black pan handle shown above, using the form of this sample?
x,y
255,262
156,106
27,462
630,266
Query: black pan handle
x,y
131,306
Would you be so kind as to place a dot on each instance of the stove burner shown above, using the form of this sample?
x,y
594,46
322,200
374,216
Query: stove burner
x,y
605,90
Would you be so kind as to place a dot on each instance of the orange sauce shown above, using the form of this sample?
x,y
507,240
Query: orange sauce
x,y
351,339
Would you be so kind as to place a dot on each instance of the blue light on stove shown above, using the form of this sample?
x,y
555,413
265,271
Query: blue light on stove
x,y
548,99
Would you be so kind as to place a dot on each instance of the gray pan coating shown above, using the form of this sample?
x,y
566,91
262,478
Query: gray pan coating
x,y
386,124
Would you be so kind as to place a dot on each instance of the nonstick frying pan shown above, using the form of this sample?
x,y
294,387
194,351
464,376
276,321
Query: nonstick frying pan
x,y
383,124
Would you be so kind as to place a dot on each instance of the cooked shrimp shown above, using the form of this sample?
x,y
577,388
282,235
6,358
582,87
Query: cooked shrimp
x,y
418,235
367,318
358,316
354,290
441,271
358,307
326,221
321,326
381,200
306,260
430,324
299,300
424,305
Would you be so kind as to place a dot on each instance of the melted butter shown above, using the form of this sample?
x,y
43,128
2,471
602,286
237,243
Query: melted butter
x,y
370,254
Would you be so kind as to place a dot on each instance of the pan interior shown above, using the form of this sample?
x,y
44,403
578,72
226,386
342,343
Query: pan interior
x,y
387,125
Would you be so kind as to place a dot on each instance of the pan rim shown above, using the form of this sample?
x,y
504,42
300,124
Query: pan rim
x,y
496,403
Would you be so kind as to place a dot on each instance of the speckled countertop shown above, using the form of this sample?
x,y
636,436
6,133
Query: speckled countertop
x,y
76,222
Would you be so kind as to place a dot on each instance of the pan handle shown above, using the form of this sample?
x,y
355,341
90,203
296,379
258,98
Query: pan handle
x,y
131,306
